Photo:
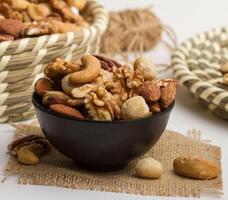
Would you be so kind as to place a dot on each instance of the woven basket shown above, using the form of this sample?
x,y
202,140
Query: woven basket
x,y
196,65
22,61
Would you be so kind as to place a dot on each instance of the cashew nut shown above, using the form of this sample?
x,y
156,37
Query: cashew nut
x,y
92,69
29,154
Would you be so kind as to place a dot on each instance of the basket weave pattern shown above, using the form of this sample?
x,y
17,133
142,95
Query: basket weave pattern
x,y
22,61
196,65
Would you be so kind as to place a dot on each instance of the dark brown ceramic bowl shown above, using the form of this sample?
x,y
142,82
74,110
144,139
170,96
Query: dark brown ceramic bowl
x,y
100,145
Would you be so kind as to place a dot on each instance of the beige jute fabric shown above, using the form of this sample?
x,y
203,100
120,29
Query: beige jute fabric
x,y
57,170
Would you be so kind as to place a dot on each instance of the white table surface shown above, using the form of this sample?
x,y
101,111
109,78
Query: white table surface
x,y
187,18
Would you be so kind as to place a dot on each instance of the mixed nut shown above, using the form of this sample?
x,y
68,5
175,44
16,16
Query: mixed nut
x,y
31,18
29,149
186,166
99,88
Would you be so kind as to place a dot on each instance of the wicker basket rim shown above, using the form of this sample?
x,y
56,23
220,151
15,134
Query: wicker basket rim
x,y
178,59
98,26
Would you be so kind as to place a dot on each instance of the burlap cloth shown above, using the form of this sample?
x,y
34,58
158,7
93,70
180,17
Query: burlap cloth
x,y
57,170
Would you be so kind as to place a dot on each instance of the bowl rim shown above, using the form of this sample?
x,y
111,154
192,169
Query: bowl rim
x,y
37,105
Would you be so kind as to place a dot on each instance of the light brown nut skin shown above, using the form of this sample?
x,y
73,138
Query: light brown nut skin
x,y
168,93
55,97
155,108
150,91
92,69
66,110
135,108
149,168
43,85
196,168
11,27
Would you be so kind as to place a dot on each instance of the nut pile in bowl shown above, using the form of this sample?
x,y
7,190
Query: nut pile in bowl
x,y
101,89
31,18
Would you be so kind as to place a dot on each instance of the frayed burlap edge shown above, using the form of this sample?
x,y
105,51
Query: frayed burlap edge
x,y
57,170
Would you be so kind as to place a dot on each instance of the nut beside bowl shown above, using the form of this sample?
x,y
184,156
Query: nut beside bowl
x,y
100,145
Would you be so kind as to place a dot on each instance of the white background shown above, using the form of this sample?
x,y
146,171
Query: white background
x,y
187,18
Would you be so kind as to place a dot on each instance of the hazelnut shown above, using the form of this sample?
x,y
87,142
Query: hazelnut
x,y
148,68
135,108
149,168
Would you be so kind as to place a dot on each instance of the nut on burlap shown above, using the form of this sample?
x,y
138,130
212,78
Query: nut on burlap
x,y
57,170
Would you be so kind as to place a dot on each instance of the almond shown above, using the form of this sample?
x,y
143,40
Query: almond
x,y
150,91
66,110
55,97
155,108
11,27
43,85
168,93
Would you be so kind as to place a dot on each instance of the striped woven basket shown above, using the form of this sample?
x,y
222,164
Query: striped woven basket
x,y
22,61
196,65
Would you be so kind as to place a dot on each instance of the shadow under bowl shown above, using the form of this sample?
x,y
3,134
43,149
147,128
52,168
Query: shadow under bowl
x,y
100,145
